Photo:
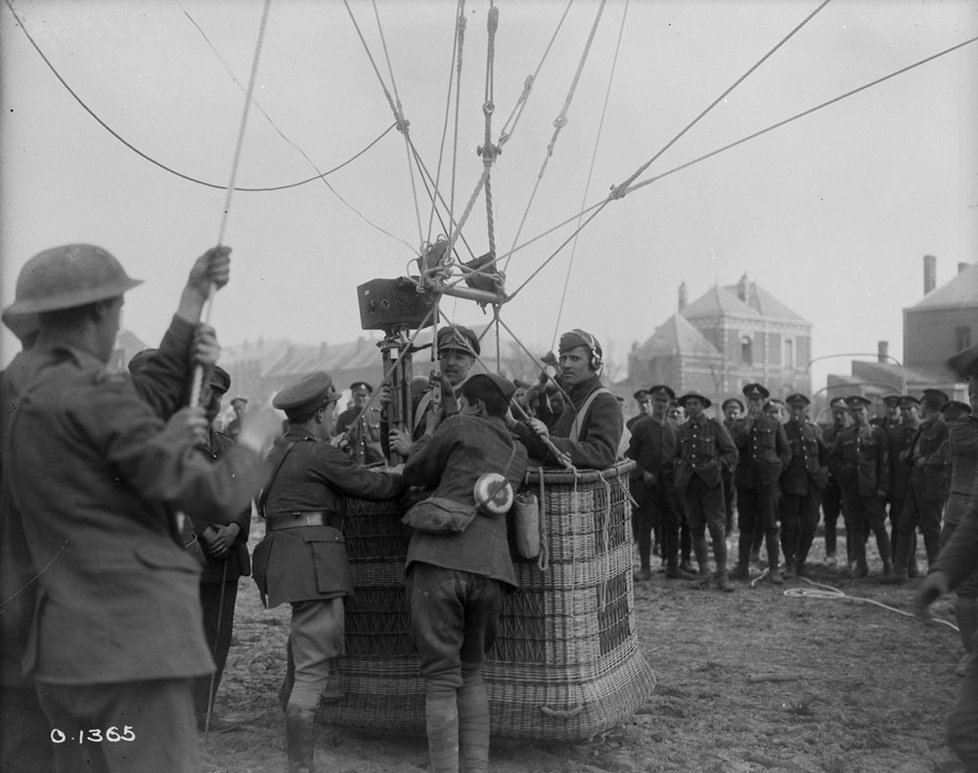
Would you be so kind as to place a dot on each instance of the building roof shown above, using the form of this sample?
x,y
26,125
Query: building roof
x,y
960,292
677,337
719,302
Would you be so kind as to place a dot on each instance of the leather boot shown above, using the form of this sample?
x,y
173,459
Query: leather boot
x,y
774,575
286,689
883,546
300,739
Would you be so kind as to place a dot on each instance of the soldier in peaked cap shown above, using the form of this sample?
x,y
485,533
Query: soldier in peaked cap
x,y
653,447
832,494
644,402
860,460
802,483
927,463
457,349
703,448
891,412
899,437
302,559
763,454
361,422
590,428
136,638
457,581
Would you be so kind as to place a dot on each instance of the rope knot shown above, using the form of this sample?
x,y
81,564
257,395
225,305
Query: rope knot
x,y
488,107
492,22
618,191
403,124
560,122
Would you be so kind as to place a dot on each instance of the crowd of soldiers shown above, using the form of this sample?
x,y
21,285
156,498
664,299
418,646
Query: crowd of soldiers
x,y
125,514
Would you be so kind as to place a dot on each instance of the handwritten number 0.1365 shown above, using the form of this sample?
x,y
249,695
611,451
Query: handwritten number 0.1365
x,y
95,735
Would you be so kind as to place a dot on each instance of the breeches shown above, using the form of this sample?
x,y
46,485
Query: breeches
x,y
316,637
758,508
454,616
704,507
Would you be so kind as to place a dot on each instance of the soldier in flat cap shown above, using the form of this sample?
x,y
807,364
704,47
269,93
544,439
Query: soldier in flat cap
x,y
802,483
653,447
119,638
589,429
764,453
457,581
458,348
899,437
302,559
361,423
860,460
239,406
927,465
703,448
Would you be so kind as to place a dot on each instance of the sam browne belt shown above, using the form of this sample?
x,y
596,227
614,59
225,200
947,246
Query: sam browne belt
x,y
299,518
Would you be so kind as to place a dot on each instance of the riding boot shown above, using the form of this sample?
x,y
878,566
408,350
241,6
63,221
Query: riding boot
x,y
771,541
300,739
441,722
473,723
285,690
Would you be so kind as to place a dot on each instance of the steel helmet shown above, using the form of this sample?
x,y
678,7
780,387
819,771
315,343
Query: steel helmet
x,y
68,276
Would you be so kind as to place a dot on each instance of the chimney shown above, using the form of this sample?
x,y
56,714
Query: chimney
x,y
742,288
883,351
683,296
930,273
963,267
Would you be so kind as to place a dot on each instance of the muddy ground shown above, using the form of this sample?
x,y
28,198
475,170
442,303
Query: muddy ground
x,y
867,689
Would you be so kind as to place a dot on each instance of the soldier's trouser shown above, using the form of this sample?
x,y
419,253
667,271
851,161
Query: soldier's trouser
x,y
962,726
151,724
757,509
729,498
831,510
315,638
865,515
704,510
894,511
217,600
454,616
799,518
670,518
643,522
923,513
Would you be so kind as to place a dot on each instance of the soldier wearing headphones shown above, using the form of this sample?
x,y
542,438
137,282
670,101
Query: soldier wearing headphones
x,y
590,427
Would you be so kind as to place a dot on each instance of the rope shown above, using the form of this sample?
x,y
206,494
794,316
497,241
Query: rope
x,y
460,26
538,363
590,172
507,131
209,303
543,561
435,197
489,151
830,593
559,122
460,22
400,109
620,190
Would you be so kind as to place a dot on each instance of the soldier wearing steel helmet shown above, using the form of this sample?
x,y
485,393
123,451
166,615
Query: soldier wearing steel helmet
x,y
117,632
302,559
457,581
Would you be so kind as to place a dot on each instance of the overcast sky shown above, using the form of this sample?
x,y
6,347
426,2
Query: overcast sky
x,y
831,213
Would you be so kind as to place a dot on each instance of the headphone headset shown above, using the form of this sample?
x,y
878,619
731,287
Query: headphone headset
x,y
595,361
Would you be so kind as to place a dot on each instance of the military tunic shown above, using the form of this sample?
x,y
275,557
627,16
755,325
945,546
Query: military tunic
x,y
802,483
703,448
364,434
927,489
653,447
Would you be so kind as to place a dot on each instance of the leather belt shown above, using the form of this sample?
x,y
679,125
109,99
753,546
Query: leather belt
x,y
300,518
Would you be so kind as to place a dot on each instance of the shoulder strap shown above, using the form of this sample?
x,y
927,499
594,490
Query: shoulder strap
x,y
263,495
419,412
575,433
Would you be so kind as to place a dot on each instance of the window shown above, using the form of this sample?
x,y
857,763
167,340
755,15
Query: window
x,y
746,350
789,353
962,338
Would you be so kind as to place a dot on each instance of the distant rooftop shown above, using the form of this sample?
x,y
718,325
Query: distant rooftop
x,y
960,292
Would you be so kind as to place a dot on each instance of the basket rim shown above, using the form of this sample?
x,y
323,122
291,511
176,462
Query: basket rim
x,y
560,475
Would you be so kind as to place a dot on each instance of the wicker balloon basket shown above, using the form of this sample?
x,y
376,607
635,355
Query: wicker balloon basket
x,y
566,664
